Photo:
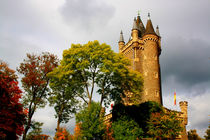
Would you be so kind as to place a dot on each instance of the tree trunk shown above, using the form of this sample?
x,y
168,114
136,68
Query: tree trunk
x,y
58,124
26,129
31,113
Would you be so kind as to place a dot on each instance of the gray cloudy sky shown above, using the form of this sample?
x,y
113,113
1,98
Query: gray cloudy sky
x,y
28,26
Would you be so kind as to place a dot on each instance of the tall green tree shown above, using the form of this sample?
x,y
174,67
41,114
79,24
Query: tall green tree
x,y
34,70
126,128
95,65
65,104
90,120
136,115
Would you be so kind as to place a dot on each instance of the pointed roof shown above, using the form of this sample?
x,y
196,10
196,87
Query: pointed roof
x,y
121,37
149,27
157,31
140,25
135,27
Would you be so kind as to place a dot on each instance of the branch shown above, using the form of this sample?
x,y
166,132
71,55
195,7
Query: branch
x,y
93,81
82,98
86,86
102,94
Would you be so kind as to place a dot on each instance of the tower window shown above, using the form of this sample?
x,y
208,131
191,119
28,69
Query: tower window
x,y
156,93
156,75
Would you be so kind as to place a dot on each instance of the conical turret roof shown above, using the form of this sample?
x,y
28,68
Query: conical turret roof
x,y
121,37
140,25
135,27
149,27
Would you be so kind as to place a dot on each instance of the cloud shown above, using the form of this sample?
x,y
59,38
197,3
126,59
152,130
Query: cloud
x,y
198,110
34,26
87,14
13,50
46,116
186,61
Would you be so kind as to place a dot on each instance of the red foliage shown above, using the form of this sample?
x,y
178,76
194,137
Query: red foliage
x,y
108,132
11,111
62,134
35,68
77,131
35,82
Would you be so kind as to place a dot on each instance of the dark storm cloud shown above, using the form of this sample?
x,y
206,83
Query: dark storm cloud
x,y
187,60
87,13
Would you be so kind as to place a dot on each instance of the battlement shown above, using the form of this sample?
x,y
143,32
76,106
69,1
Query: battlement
x,y
183,103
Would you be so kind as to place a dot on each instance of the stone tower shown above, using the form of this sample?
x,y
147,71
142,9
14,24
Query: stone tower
x,y
183,106
143,48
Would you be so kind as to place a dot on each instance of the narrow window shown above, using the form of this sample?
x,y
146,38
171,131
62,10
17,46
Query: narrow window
x,y
156,93
156,75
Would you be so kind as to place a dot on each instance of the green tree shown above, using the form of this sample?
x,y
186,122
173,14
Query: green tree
x,y
207,136
192,135
64,103
36,130
126,129
35,82
139,113
91,122
164,125
95,65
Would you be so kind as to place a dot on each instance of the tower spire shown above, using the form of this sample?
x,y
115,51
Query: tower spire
x,y
140,25
135,27
121,37
149,27
157,31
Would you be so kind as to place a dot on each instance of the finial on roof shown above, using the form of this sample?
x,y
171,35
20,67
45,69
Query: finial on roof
x,y
135,27
121,37
149,28
138,12
149,15
157,31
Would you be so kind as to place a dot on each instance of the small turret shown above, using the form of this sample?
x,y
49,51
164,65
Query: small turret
x,y
135,31
135,27
149,27
140,25
121,37
121,42
157,31
183,106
